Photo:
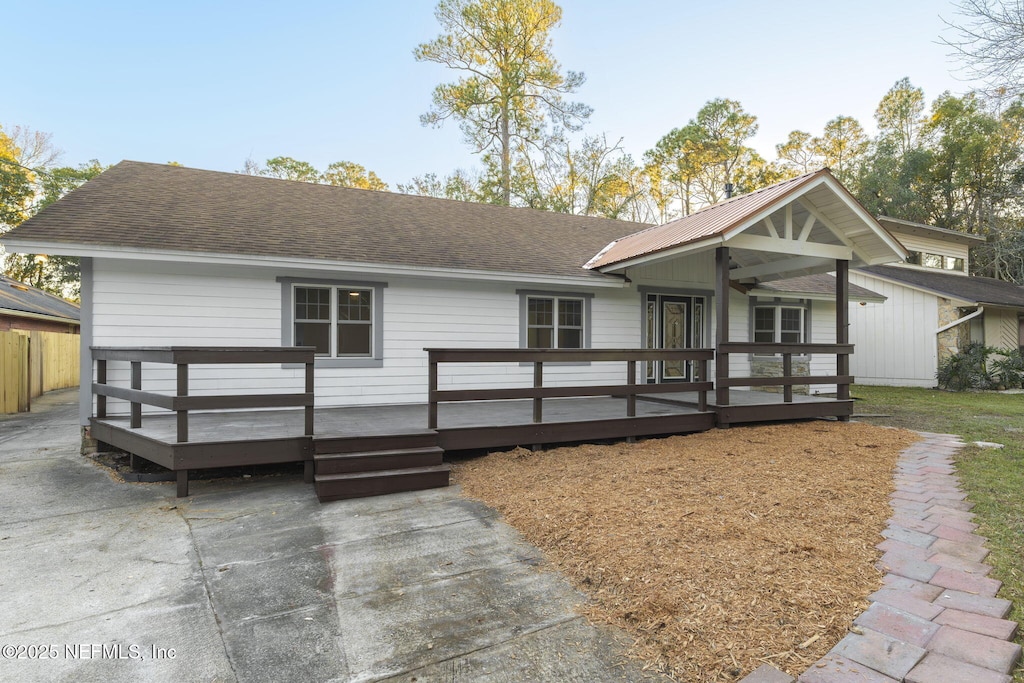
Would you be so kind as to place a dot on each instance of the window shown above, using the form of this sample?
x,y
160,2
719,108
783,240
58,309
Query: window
x,y
343,321
779,324
338,321
554,323
919,258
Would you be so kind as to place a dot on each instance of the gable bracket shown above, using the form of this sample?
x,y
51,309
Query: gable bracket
x,y
816,212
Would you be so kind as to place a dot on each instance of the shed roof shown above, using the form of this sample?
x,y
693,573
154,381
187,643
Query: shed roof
x,y
812,286
977,290
17,297
900,226
137,206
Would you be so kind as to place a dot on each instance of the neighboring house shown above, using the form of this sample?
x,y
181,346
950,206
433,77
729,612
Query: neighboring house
x,y
39,344
178,256
933,308
26,308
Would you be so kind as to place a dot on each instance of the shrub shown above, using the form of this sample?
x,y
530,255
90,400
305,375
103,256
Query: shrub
x,y
1008,369
965,370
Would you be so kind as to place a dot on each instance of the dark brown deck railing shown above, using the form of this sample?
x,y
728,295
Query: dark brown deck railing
x,y
538,392
181,403
788,379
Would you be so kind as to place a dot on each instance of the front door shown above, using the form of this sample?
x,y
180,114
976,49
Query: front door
x,y
673,322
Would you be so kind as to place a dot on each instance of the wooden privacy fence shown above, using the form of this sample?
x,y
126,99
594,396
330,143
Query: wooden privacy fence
x,y
32,363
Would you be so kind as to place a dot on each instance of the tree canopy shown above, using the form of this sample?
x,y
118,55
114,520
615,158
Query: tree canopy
x,y
512,85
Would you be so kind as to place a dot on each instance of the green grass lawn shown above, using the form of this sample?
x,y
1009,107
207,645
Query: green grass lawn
x,y
992,478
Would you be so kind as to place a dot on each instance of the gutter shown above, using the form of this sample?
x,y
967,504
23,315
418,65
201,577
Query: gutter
x,y
970,316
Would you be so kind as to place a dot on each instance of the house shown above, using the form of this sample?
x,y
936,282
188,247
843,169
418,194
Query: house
x,y
409,301
26,308
39,346
933,308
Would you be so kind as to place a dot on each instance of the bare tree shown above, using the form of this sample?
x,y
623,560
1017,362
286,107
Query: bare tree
x,y
990,39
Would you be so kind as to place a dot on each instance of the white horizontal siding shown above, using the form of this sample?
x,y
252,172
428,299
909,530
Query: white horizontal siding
x,y
160,305
895,342
935,246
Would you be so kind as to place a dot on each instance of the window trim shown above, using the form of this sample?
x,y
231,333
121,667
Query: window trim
x,y
526,294
778,303
375,359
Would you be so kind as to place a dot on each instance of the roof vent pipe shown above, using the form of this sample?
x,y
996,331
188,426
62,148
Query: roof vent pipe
x,y
728,190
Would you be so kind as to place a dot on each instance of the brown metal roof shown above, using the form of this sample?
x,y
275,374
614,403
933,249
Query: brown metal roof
x,y
159,207
712,221
19,297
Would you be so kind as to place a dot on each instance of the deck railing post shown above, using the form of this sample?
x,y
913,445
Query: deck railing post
x,y
702,375
136,384
310,389
787,372
182,392
538,382
631,381
431,391
101,378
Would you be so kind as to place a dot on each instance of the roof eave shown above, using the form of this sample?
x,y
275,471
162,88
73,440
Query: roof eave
x,y
13,312
590,278
814,296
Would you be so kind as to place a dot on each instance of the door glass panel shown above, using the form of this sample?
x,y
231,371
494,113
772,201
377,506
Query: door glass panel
x,y
673,329
652,335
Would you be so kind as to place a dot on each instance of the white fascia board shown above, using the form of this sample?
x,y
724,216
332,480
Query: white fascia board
x,y
38,316
657,256
815,296
136,254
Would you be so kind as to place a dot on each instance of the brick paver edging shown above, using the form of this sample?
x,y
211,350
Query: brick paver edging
x,y
936,618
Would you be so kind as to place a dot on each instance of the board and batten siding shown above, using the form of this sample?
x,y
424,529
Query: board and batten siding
x,y
895,342
160,304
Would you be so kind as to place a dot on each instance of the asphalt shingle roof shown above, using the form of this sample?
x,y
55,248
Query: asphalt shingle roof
x,y
822,283
17,296
980,290
160,207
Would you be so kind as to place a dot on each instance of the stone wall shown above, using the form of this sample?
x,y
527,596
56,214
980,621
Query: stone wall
x,y
952,340
771,366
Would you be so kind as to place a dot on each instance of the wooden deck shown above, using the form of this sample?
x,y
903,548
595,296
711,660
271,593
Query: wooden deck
x,y
365,450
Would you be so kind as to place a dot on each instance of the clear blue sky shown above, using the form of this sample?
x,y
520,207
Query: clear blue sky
x,y
209,84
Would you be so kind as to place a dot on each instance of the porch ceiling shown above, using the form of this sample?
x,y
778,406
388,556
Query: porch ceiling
x,y
798,227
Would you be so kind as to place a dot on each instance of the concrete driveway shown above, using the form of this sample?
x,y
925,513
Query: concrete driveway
x,y
254,580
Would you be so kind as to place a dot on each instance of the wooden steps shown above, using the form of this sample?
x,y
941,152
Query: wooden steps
x,y
374,465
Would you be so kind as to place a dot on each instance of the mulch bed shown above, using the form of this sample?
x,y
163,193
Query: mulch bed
x,y
717,552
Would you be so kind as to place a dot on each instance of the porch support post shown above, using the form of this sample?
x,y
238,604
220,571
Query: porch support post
x,y
843,328
722,324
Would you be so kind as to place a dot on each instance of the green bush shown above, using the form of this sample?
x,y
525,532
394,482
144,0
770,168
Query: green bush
x,y
975,368
1008,369
965,370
